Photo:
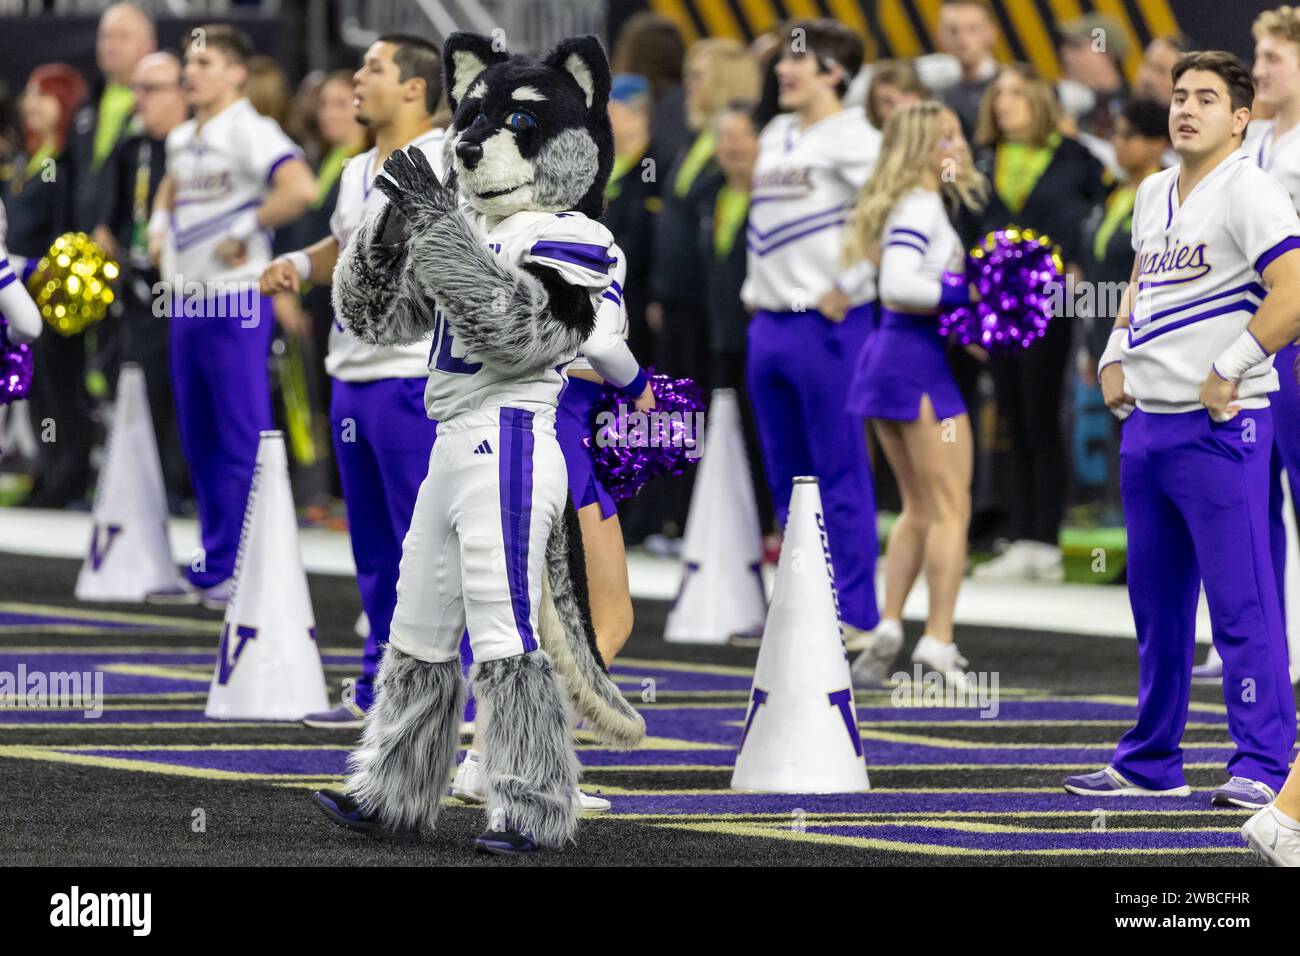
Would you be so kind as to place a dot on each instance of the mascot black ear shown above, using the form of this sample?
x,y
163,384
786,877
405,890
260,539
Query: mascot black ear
x,y
583,58
464,57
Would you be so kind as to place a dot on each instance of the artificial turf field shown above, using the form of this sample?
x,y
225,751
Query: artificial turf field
x,y
948,787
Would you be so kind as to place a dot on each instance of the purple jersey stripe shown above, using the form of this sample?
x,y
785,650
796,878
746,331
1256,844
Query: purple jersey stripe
x,y
1242,305
1251,288
905,245
7,279
270,172
755,233
1286,245
516,488
799,235
897,230
589,255
184,238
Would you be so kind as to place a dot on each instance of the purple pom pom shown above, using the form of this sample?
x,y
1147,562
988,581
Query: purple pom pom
x,y
1014,271
630,447
15,368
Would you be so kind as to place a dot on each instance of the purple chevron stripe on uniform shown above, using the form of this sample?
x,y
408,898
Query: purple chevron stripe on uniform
x,y
589,255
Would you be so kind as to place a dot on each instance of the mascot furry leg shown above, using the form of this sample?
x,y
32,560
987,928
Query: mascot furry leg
x,y
399,773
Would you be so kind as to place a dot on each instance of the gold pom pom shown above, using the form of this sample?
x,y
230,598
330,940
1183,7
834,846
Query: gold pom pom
x,y
72,285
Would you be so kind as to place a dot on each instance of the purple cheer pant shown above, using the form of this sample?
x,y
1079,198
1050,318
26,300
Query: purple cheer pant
x,y
799,366
1196,505
1286,456
223,404
382,441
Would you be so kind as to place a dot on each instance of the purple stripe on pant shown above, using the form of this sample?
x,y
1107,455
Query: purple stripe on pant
x,y
798,371
1196,500
223,403
516,477
382,441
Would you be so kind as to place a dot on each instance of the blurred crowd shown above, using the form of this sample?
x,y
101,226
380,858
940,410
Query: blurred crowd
x,y
1063,157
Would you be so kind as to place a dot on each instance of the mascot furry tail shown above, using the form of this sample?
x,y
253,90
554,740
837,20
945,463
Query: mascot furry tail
x,y
566,633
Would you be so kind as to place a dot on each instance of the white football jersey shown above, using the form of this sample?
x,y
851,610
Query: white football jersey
x,y
1278,156
571,245
221,172
606,352
1199,279
805,183
350,359
918,245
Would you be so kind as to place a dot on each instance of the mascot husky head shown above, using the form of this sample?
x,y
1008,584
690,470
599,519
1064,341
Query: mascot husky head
x,y
529,134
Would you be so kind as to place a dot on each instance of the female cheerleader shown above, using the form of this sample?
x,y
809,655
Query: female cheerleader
x,y
902,382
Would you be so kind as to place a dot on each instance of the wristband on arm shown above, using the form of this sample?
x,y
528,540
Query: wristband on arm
x,y
159,222
1239,357
634,388
1114,349
301,263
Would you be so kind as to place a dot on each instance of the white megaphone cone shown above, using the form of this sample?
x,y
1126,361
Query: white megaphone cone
x,y
129,553
801,731
268,665
721,593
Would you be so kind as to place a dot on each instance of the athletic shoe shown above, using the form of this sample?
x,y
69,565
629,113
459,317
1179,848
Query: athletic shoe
x,y
1274,836
1211,672
942,657
178,594
505,843
1109,783
470,787
218,596
343,810
876,653
1243,792
1023,561
346,716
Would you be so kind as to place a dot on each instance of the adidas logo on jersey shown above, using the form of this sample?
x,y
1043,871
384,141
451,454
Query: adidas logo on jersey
x,y
483,448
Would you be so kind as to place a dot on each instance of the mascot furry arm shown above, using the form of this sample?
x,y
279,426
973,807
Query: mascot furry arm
x,y
423,255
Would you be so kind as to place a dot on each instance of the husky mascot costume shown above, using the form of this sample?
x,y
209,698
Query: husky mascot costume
x,y
505,265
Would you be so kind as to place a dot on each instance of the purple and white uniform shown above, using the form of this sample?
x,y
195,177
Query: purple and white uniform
x,y
1196,490
473,557
799,363
606,353
221,328
905,358
382,436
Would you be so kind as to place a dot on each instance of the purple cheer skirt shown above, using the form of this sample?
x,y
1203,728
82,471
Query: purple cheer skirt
x,y
572,425
904,358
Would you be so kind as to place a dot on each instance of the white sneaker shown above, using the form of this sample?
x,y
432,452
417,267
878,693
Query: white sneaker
x,y
218,596
876,652
469,784
1273,836
470,787
942,657
1023,561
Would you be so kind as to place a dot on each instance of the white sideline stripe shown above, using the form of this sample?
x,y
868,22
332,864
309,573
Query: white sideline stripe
x,y
1063,608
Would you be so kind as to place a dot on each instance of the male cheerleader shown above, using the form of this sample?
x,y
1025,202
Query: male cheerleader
x,y
1192,349
232,177
811,316
1275,145
382,437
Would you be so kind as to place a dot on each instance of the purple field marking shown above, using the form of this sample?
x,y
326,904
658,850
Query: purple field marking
x,y
1080,839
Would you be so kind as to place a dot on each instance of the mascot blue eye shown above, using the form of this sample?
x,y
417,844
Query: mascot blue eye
x,y
519,120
